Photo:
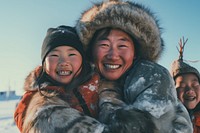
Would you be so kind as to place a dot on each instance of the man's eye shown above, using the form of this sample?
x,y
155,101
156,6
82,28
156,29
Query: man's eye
x,y
122,46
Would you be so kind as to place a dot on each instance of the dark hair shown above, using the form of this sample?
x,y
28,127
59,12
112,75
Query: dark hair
x,y
103,33
85,75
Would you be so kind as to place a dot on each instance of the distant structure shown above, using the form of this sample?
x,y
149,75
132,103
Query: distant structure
x,y
8,95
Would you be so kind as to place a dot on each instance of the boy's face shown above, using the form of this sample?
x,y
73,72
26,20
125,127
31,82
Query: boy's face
x,y
63,63
188,90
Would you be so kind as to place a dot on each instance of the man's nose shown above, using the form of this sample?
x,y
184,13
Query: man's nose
x,y
113,54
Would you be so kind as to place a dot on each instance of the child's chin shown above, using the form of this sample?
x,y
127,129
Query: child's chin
x,y
65,82
191,106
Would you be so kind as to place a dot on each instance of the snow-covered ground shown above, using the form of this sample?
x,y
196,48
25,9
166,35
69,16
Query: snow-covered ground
x,y
7,108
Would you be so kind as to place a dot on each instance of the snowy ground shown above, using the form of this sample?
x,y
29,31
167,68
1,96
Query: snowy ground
x,y
7,108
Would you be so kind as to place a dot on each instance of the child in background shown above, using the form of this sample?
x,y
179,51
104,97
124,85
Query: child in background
x,y
187,82
57,89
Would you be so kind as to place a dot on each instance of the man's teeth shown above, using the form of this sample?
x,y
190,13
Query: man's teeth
x,y
64,73
112,66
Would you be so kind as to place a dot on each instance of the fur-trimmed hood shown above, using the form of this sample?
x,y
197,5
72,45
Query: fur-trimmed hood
x,y
132,18
31,80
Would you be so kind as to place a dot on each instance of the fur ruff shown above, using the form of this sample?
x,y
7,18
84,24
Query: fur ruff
x,y
132,18
30,81
48,113
53,115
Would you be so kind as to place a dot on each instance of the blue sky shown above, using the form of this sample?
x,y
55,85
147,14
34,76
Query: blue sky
x,y
24,24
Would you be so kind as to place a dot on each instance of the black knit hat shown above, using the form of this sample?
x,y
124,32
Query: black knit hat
x,y
60,36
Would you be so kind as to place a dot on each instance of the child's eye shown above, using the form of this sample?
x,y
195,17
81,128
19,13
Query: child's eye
x,y
180,89
54,55
73,54
196,84
122,46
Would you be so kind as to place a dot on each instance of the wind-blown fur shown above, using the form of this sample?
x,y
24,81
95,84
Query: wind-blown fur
x,y
48,113
132,18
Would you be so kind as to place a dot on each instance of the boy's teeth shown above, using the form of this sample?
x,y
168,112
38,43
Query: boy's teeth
x,y
191,98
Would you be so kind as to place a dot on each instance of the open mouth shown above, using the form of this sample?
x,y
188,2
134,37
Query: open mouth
x,y
112,66
190,98
64,72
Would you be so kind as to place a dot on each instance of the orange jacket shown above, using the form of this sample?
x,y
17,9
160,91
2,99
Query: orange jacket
x,y
87,91
196,122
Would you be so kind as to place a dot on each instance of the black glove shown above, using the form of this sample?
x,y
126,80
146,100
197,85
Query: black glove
x,y
131,121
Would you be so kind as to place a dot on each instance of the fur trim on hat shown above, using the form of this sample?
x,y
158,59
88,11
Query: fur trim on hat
x,y
179,67
132,18
30,81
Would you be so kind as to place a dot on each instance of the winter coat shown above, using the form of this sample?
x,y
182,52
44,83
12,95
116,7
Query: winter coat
x,y
52,109
196,122
195,118
150,88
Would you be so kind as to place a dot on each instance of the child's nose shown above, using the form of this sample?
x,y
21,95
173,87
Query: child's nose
x,y
64,62
189,90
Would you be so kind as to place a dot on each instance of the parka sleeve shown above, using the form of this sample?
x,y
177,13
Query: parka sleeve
x,y
150,88
20,111
114,113
110,99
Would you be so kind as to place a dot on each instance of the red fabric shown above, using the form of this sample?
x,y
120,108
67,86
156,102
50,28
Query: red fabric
x,y
196,122
89,92
21,108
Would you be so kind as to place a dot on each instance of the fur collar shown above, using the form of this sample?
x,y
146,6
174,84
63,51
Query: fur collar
x,y
30,81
